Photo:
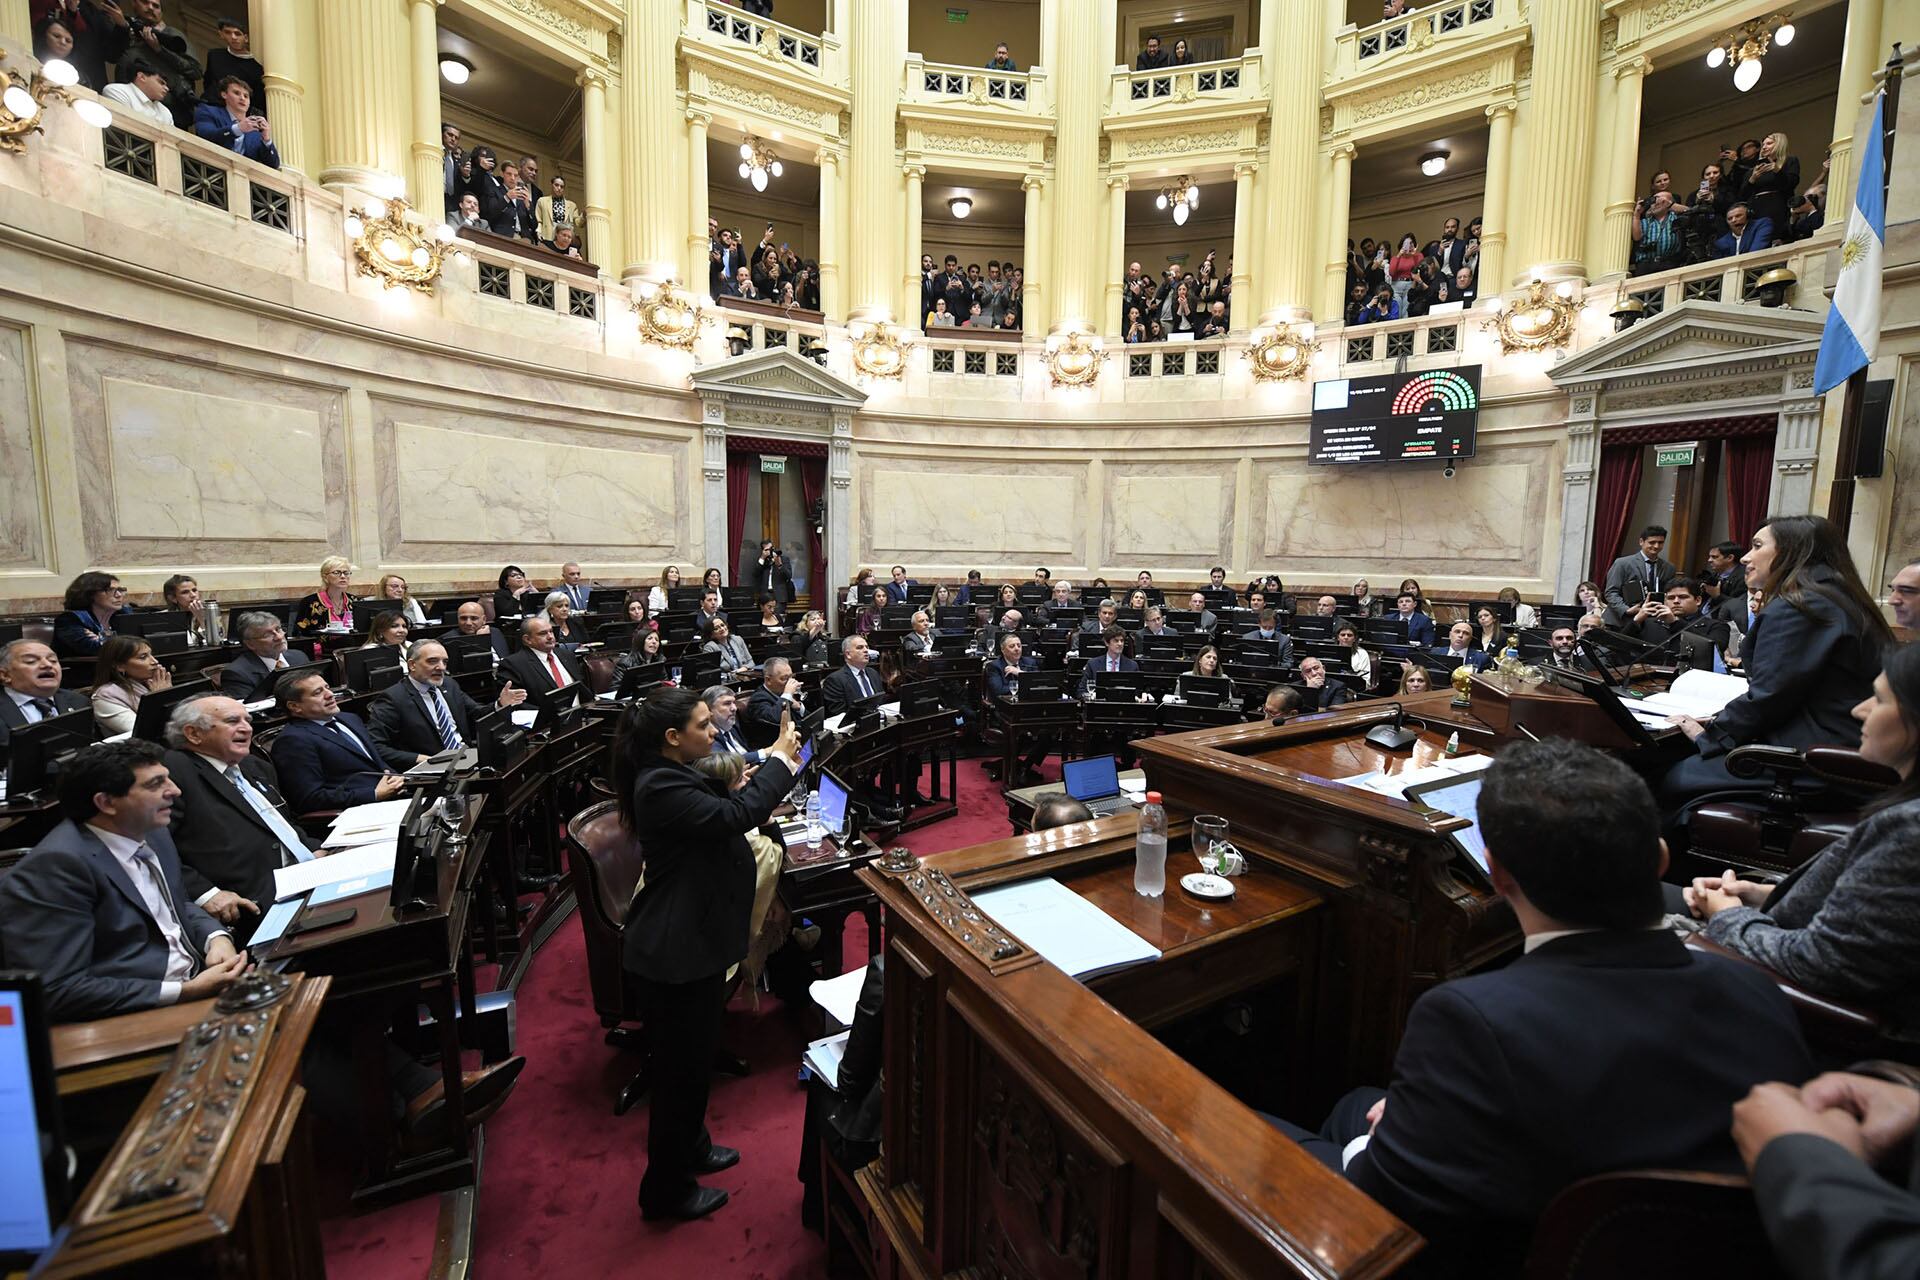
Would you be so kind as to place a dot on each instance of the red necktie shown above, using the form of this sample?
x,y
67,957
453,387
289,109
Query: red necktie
x,y
553,665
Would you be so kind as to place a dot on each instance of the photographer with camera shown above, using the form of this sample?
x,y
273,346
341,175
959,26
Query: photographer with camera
x,y
771,576
1656,235
151,39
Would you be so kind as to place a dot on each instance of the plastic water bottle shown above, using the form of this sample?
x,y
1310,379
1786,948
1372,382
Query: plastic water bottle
x,y
816,831
1150,850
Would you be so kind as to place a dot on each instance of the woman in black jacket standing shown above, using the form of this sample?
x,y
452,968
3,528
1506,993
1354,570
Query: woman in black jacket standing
x,y
687,927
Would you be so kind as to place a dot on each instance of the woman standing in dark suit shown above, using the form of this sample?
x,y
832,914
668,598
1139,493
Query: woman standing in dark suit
x,y
687,927
1811,658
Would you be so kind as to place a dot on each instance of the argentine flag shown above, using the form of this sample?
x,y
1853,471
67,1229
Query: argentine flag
x,y
1852,335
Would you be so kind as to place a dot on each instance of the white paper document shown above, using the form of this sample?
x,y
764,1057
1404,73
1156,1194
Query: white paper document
x,y
838,996
348,864
823,1057
1396,784
1700,694
1066,929
363,817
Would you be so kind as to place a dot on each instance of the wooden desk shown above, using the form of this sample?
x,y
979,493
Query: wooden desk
x,y
88,1056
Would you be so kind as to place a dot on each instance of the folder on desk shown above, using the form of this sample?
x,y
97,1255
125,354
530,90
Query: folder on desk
x,y
1066,929
347,864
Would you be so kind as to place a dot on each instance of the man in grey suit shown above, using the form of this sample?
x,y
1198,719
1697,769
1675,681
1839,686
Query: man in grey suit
x,y
1638,575
249,677
30,688
98,907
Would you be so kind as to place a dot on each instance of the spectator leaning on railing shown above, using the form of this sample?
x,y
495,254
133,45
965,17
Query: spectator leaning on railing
x,y
144,93
231,124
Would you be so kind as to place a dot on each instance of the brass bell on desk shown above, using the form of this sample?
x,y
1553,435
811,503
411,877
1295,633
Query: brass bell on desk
x,y
1462,679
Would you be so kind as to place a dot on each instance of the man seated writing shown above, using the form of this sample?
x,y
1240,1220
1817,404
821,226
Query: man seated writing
x,y
1607,1045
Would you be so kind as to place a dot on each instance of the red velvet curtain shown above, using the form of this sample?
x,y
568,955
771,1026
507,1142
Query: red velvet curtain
x,y
739,470
1749,466
813,487
1613,505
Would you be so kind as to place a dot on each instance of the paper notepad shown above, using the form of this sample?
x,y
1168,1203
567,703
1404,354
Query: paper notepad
x,y
1066,929
348,864
1700,694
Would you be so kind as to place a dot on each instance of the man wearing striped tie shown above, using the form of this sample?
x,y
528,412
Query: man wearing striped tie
x,y
427,713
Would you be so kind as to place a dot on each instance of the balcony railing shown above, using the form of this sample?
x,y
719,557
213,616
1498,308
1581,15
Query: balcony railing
x,y
1730,279
946,84
1416,28
1228,80
762,326
214,177
724,25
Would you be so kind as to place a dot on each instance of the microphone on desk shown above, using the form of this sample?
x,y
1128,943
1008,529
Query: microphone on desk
x,y
1395,736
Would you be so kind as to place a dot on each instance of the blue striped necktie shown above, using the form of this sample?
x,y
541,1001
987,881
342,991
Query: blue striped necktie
x,y
443,718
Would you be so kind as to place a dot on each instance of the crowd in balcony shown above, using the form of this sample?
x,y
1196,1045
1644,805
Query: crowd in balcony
x,y
1395,280
769,272
952,298
131,56
1748,198
484,193
1178,304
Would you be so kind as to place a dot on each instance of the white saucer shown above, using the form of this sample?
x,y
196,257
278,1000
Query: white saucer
x,y
1202,885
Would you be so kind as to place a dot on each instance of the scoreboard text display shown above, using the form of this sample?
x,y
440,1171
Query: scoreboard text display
x,y
1397,417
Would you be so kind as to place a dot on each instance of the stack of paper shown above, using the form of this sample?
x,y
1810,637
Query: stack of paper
x,y
1064,927
367,824
1396,784
1700,694
368,861
823,1058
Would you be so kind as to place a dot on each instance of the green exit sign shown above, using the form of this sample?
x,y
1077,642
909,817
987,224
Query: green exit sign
x,y
956,15
1676,456
777,466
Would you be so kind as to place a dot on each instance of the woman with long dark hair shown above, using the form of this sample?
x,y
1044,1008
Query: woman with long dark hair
x,y
125,672
1846,923
1810,659
687,926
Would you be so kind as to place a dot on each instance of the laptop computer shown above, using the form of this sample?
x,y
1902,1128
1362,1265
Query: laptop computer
x,y
1095,782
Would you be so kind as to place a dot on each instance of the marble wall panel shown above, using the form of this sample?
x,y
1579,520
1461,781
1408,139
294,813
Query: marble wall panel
x,y
1169,514
467,486
916,510
184,461
1490,520
189,465
1903,531
23,538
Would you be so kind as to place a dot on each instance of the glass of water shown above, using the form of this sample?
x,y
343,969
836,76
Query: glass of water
x,y
1209,838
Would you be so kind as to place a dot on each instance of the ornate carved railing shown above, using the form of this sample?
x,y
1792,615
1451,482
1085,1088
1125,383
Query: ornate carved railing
x,y
1364,47
712,22
942,83
1227,80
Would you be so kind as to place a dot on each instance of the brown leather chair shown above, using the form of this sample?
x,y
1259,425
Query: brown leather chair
x,y
1654,1224
1815,799
599,673
604,863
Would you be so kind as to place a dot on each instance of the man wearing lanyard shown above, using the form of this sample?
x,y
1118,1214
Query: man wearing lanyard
x,y
327,758
541,666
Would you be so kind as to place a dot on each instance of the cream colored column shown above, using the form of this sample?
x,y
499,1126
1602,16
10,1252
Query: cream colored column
x,y
1339,205
597,174
427,187
1493,206
911,214
1609,257
833,236
366,86
694,272
1566,69
1111,322
877,46
650,128
279,51
1860,57
1286,294
1033,249
16,22
1079,94
1246,214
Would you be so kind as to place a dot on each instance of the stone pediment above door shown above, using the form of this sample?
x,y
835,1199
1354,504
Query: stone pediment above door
x,y
777,379
1695,341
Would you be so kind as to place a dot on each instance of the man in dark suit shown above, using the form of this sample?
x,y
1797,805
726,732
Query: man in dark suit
x,y
1153,57
471,620
771,576
1683,608
542,666
1812,1155
1725,582
1268,634
1004,672
854,680
1450,250
1510,1085
230,824
760,715
1420,632
1460,645
427,713
30,688
1105,614
250,676
1638,575
1317,692
574,586
1745,233
1561,653
901,587
1197,603
99,909
1114,659
709,610
327,758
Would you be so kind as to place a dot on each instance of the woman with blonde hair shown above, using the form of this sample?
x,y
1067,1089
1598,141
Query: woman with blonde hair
x,y
394,587
331,607
1768,190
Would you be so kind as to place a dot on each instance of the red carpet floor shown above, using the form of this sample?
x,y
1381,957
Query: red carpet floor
x,y
557,1188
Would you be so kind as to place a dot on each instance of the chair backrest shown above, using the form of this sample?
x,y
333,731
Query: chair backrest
x,y
600,673
1654,1224
605,863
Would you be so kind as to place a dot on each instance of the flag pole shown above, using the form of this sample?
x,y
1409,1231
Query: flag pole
x,y
1840,492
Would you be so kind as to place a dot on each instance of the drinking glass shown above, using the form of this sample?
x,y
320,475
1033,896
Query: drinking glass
x,y
1209,834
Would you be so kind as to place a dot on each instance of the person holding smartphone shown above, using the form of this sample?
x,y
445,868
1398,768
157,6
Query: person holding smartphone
x,y
687,929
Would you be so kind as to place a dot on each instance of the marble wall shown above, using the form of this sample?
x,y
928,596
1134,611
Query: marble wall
x,y
22,512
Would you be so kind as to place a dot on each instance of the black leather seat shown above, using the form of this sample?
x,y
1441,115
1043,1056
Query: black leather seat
x,y
605,864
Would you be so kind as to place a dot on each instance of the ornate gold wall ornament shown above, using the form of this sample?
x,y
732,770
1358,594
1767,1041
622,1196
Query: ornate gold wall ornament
x,y
880,351
1540,317
1074,360
22,99
667,315
1282,355
396,250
